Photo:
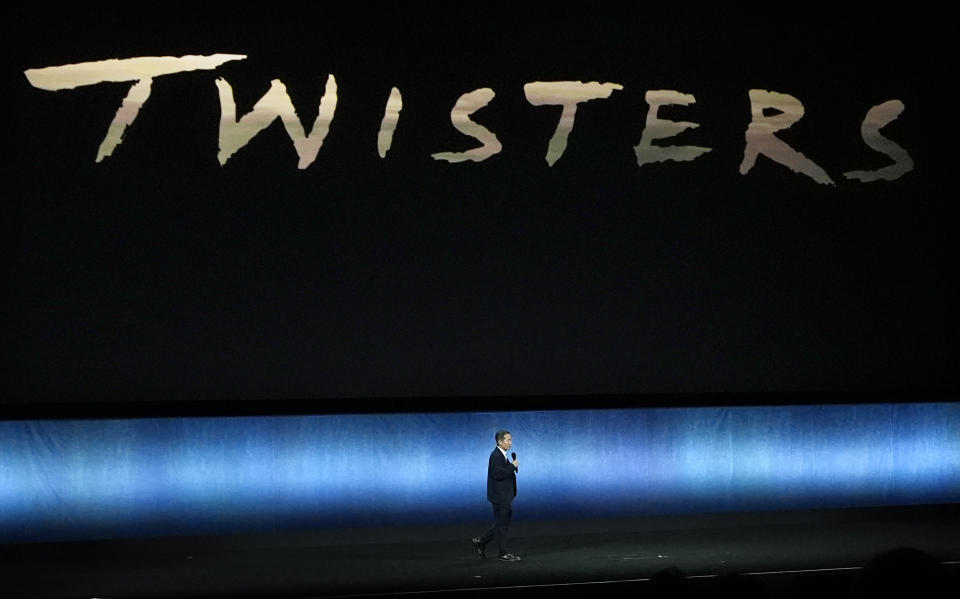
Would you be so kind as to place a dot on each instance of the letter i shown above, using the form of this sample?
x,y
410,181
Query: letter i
x,y
391,114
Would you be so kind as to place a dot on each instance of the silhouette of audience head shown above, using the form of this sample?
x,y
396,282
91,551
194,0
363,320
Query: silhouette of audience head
x,y
904,572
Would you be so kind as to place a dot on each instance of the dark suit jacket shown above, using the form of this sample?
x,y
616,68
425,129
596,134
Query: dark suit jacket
x,y
501,479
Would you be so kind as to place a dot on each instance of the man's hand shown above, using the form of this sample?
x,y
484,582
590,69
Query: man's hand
x,y
516,464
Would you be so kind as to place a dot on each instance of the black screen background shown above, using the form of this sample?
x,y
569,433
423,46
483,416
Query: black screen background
x,y
158,275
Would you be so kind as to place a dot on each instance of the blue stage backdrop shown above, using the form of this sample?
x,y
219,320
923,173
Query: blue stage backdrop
x,y
86,479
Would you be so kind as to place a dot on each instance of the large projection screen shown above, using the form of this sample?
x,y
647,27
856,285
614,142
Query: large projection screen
x,y
304,206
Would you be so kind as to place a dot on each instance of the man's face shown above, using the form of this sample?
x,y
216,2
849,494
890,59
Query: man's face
x,y
506,443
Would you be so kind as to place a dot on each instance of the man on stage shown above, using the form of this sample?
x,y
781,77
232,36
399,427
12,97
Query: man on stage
x,y
501,489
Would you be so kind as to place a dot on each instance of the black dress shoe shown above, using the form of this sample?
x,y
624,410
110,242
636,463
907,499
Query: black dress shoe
x,y
509,557
480,549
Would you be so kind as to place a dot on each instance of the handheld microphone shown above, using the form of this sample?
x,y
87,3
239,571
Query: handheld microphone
x,y
514,456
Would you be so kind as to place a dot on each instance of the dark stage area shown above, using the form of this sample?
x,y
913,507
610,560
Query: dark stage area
x,y
777,554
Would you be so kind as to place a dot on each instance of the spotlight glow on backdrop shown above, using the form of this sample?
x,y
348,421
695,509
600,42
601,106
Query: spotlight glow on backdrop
x,y
93,479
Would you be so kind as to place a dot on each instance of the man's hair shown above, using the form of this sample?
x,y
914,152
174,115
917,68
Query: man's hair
x,y
500,435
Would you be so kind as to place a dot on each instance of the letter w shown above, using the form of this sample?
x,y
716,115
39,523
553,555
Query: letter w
x,y
234,134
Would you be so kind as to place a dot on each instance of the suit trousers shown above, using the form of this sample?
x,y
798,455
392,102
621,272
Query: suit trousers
x,y
502,513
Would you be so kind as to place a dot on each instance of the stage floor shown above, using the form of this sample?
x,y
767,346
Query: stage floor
x,y
779,551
